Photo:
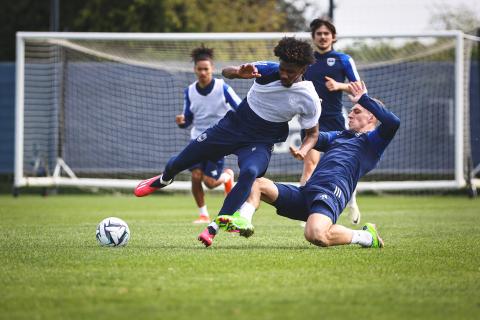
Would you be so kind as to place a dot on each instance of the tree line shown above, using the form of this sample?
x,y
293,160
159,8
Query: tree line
x,y
150,16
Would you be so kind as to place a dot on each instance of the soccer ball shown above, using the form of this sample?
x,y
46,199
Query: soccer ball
x,y
113,232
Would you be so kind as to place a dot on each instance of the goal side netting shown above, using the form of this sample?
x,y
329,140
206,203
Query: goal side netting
x,y
98,110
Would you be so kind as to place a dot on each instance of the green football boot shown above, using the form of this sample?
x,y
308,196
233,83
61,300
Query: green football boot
x,y
235,223
372,229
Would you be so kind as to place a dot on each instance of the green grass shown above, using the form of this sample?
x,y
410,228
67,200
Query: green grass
x,y
52,268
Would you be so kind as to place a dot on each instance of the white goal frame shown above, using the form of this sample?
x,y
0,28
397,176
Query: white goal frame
x,y
57,180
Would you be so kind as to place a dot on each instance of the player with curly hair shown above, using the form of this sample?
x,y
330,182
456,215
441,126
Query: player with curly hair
x,y
206,101
277,95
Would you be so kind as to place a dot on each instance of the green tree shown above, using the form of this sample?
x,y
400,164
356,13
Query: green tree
x,y
21,15
189,16
151,16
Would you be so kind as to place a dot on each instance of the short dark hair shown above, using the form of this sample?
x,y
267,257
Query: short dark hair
x,y
318,22
202,53
380,102
294,51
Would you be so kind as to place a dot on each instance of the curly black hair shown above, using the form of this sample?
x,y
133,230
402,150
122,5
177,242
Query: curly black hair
x,y
201,53
294,51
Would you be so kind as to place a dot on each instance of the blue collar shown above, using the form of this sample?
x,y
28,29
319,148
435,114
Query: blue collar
x,y
205,91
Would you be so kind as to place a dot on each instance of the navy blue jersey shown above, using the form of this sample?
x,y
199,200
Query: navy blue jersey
x,y
349,155
338,66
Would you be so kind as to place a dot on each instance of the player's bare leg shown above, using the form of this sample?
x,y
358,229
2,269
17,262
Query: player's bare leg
x,y
309,164
226,178
320,231
199,196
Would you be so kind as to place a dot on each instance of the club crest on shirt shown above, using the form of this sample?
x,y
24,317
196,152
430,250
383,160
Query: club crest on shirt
x,y
293,100
331,61
202,137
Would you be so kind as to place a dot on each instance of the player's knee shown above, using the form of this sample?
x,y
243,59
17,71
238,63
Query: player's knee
x,y
317,237
197,175
248,173
261,184
209,182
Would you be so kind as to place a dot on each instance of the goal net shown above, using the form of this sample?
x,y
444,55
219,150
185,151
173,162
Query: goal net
x,y
98,110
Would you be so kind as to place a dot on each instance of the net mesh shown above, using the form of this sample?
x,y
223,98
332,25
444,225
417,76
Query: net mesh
x,y
107,107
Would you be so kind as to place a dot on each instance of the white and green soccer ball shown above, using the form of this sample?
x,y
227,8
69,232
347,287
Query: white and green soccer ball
x,y
113,232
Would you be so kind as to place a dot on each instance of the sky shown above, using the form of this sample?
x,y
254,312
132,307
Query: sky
x,y
388,16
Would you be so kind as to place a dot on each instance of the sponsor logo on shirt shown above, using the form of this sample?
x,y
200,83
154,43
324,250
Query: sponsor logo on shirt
x,y
331,61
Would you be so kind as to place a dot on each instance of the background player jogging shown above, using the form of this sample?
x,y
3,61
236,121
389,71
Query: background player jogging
x,y
206,101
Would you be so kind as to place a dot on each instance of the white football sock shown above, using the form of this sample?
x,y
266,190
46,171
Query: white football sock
x,y
214,225
203,211
164,181
246,211
362,237
224,177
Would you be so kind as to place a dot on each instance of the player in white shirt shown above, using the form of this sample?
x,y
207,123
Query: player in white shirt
x,y
206,101
261,120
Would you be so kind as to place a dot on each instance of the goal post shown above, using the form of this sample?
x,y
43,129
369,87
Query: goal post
x,y
97,109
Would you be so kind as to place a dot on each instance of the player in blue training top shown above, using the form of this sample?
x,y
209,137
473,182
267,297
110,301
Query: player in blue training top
x,y
349,155
277,95
207,100
328,74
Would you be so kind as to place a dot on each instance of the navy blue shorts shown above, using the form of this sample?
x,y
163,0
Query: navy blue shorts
x,y
210,168
299,203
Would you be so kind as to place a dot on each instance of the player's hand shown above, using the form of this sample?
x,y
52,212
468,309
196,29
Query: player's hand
x,y
180,119
357,90
297,154
331,84
248,71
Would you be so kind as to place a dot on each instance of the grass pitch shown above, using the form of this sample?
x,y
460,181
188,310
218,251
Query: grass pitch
x,y
52,268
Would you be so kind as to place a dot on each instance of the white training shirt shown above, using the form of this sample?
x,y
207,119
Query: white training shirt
x,y
276,103
209,109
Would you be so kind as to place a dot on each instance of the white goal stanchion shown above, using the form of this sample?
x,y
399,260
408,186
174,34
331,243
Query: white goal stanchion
x,y
97,109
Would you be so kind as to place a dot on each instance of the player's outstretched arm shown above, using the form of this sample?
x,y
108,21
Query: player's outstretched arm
x,y
245,71
357,89
311,137
389,121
